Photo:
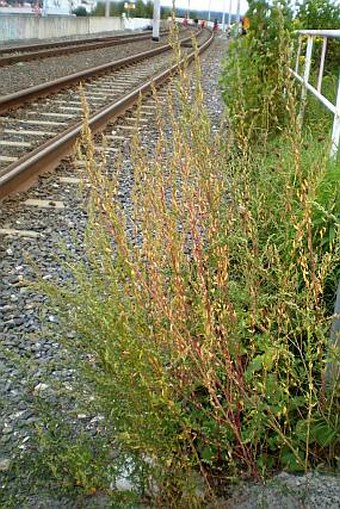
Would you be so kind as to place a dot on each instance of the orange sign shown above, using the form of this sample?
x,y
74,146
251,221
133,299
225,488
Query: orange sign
x,y
245,23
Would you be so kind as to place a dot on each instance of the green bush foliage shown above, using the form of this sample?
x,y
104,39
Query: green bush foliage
x,y
318,14
256,71
263,104
80,11
322,14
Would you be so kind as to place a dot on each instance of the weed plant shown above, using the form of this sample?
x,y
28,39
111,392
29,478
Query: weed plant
x,y
200,311
255,74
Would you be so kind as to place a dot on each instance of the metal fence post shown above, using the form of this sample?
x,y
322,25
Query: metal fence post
x,y
306,73
322,64
336,123
317,90
298,55
333,365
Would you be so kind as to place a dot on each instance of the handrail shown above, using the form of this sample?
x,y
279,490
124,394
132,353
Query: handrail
x,y
317,92
321,33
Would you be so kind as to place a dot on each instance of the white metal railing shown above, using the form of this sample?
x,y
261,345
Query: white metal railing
x,y
317,92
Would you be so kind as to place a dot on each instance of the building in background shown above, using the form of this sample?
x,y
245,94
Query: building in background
x,y
45,7
56,8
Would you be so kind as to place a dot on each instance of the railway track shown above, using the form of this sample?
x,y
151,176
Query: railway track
x,y
24,53
35,138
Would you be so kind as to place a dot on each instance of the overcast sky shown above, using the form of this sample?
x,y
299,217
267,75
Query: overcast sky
x,y
215,5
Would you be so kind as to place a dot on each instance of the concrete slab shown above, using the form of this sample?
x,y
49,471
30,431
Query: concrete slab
x,y
126,127
142,120
63,101
32,122
70,180
44,204
106,89
93,99
115,137
100,148
8,159
51,114
98,94
30,133
20,233
9,143
71,108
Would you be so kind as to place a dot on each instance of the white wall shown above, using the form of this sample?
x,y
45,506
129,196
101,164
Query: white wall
x,y
136,23
101,24
16,10
21,27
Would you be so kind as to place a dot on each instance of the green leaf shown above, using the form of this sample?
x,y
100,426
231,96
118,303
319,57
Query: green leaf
x,y
208,454
255,365
290,461
324,433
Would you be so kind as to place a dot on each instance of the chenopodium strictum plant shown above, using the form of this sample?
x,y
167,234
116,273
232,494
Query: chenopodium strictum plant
x,y
202,315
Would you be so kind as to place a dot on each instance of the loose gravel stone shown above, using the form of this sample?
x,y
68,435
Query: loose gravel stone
x,y
4,464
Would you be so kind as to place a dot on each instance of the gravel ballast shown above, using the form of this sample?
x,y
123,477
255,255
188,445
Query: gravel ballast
x,y
66,38
22,75
33,363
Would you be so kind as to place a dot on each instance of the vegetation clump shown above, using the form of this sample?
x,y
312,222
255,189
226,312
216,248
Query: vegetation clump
x,y
202,312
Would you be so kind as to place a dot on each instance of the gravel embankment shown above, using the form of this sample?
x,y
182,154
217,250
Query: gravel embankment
x,y
14,78
74,37
32,364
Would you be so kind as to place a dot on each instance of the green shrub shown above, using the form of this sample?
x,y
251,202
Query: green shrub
x,y
321,14
255,74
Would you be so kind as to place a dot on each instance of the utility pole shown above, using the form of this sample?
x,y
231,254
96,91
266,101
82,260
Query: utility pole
x,y
107,8
209,10
156,20
45,8
229,13
238,17
223,17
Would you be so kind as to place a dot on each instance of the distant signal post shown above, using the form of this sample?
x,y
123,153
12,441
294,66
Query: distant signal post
x,y
156,20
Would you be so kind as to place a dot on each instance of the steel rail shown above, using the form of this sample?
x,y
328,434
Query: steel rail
x,y
17,99
20,174
45,45
71,48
